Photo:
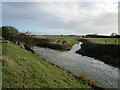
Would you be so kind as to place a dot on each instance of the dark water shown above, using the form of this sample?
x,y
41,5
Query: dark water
x,y
97,70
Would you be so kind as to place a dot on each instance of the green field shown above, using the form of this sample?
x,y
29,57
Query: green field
x,y
71,40
22,69
115,41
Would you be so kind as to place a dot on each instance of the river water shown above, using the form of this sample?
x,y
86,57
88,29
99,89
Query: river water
x,y
96,70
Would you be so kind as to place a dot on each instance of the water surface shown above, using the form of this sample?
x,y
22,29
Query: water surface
x,y
97,70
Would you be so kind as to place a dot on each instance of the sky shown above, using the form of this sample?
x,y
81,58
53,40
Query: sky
x,y
56,18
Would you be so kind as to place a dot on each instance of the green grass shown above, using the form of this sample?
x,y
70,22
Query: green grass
x,y
71,40
115,41
1,41
22,69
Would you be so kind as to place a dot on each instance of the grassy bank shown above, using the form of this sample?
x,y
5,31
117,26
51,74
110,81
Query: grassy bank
x,y
23,69
56,42
108,53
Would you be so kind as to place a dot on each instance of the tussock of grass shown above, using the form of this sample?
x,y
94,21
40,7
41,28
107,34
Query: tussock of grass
x,y
23,69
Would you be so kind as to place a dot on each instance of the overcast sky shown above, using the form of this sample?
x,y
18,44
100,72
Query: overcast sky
x,y
62,17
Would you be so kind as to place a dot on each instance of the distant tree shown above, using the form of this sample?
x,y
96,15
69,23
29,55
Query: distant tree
x,y
114,34
28,33
92,35
61,35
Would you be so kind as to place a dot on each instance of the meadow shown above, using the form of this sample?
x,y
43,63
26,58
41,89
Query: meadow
x,y
114,41
71,40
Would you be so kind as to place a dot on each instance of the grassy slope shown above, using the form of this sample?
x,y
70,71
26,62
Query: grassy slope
x,y
21,68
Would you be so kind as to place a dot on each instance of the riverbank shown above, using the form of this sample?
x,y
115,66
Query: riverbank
x,y
57,42
84,79
34,68
62,43
107,53
23,69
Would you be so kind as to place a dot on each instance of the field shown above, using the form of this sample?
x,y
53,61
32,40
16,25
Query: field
x,y
71,40
114,41
22,69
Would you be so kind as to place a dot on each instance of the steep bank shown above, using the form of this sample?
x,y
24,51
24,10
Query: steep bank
x,y
107,53
23,69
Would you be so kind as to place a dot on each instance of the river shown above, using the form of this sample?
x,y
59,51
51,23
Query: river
x,y
96,70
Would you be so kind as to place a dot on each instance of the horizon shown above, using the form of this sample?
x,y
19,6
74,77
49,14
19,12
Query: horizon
x,y
61,34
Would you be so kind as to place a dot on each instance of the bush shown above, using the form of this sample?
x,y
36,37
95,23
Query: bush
x,y
9,33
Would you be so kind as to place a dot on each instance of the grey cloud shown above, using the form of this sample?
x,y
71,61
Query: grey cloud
x,y
26,13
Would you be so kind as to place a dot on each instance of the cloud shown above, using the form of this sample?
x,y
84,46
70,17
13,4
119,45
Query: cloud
x,y
64,17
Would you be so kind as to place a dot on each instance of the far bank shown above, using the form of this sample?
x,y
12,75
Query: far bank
x,y
108,53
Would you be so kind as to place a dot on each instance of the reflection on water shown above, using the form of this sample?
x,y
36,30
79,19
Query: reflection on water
x,y
96,70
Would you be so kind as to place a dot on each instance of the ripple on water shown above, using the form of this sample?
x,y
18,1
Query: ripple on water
x,y
97,70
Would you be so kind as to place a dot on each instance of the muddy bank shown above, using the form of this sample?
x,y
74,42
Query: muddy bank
x,y
109,54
